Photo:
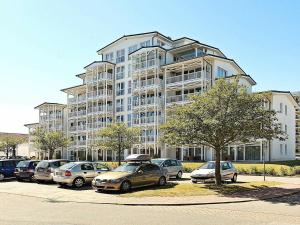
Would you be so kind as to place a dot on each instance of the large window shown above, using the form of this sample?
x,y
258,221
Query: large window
x,y
129,103
132,48
120,88
109,56
120,56
120,72
145,43
252,153
221,72
120,106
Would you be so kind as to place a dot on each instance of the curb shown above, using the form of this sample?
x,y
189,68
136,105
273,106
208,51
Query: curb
x,y
156,204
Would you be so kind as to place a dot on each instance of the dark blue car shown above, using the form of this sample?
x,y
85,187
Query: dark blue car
x,y
25,170
7,168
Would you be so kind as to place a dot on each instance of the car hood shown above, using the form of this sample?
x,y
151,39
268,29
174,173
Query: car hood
x,y
112,175
203,171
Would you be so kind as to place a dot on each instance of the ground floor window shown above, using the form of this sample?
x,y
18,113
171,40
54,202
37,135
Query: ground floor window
x,y
240,153
252,153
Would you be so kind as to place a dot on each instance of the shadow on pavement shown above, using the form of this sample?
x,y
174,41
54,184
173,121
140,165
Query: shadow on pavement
x,y
291,196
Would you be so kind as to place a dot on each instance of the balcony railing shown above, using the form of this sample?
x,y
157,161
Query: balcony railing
x,y
185,77
100,109
146,120
147,102
99,77
154,82
179,98
150,138
141,65
81,142
81,127
101,93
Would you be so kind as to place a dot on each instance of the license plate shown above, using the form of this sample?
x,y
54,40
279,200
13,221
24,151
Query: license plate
x,y
40,169
58,173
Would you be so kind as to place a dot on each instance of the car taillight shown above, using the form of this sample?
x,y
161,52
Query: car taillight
x,y
68,173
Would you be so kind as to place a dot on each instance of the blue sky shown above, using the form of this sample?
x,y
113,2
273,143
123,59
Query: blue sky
x,y
44,44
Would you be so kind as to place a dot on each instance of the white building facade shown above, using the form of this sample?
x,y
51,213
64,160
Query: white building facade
x,y
135,81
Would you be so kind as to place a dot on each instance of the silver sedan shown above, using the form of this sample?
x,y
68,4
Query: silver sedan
x,y
78,173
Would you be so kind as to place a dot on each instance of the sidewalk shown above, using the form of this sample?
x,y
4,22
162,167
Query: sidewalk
x,y
53,193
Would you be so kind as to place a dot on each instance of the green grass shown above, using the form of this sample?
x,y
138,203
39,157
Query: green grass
x,y
282,168
188,189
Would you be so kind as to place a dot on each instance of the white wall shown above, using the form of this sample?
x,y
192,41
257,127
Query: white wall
x,y
284,119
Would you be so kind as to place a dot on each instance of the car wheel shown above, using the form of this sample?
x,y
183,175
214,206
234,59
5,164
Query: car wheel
x,y
162,181
32,178
1,176
234,178
78,182
179,175
125,186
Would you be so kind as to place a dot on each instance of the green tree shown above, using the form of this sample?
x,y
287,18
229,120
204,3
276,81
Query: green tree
x,y
118,137
10,142
49,141
225,114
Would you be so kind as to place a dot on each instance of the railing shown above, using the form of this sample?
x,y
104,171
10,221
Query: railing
x,y
146,120
185,77
81,113
100,109
149,101
81,142
81,127
73,128
147,83
71,100
101,93
147,138
179,98
145,64
99,76
81,99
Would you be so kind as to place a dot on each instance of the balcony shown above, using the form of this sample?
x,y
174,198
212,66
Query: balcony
x,y
146,120
81,127
99,94
178,98
185,78
100,109
143,65
100,77
147,84
97,125
81,142
149,138
149,102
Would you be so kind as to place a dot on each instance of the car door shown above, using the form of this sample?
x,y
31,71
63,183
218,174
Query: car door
x,y
151,173
88,171
226,172
174,167
167,166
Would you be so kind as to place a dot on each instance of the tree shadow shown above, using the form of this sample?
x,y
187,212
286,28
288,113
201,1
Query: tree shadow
x,y
261,192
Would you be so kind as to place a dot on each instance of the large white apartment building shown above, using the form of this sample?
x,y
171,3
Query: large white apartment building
x,y
297,97
138,77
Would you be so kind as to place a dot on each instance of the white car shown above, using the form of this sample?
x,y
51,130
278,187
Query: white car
x,y
207,172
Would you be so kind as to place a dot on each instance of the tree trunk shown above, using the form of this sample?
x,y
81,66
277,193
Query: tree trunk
x,y
119,156
14,153
218,169
7,151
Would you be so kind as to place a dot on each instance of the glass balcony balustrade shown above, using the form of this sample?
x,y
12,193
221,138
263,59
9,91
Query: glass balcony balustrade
x,y
185,77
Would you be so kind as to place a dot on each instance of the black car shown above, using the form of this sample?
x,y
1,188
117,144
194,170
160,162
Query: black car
x,y
25,170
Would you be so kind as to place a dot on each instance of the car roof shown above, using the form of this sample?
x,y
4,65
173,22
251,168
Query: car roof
x,y
138,158
164,159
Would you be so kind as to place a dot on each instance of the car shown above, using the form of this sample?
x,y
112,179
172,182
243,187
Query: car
x,y
138,171
77,174
45,169
173,166
7,168
25,170
207,172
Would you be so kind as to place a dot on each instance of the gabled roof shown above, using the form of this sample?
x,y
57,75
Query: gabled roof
x,y
73,87
49,103
31,124
99,62
246,76
291,96
133,35
154,46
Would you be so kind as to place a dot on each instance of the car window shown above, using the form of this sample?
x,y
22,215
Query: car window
x,y
225,166
23,164
173,162
63,163
167,163
149,168
229,165
87,166
100,166
55,164
9,164
179,163
1,164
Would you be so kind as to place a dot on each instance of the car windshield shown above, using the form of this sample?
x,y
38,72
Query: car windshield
x,y
128,167
157,161
43,164
209,165
67,166
23,164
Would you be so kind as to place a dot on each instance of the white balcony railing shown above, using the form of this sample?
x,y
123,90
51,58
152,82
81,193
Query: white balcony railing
x,y
99,77
185,77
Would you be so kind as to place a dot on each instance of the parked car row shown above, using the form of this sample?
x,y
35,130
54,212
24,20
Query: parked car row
x,y
138,171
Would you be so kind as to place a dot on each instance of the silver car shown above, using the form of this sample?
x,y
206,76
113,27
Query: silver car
x,y
207,172
78,173
173,167
45,169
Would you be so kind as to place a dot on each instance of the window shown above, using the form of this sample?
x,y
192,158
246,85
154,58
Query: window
x,y
120,107
285,109
132,48
129,87
120,56
285,149
281,108
150,167
87,166
129,103
109,56
120,72
145,43
173,162
120,88
120,119
129,70
225,166
281,149
285,129
221,72
101,167
160,43
129,120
